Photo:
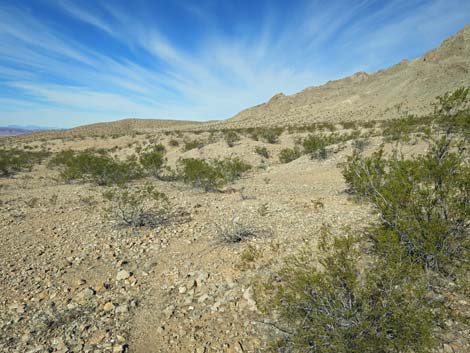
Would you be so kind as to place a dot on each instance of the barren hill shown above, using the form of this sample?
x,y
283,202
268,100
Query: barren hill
x,y
406,87
130,125
119,127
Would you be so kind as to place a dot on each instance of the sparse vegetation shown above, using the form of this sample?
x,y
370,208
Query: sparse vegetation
x,y
315,145
399,129
94,166
360,144
16,160
173,143
201,173
190,145
232,168
384,302
262,151
211,175
136,206
424,202
231,137
154,160
289,154
270,135
235,231
328,304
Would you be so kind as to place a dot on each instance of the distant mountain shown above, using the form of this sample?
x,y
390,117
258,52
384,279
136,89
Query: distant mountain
x,y
14,130
31,127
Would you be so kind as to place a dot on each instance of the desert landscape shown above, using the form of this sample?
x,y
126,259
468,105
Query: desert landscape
x,y
150,236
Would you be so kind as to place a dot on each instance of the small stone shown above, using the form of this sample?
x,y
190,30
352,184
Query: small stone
x,y
108,306
182,289
118,348
447,348
97,337
85,294
203,298
248,296
169,311
121,309
122,275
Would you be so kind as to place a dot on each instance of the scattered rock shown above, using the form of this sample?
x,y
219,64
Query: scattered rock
x,y
122,275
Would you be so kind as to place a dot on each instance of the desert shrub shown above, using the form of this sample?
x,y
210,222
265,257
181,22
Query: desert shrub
x,y
262,151
360,144
452,112
326,126
315,145
368,124
153,162
424,201
334,306
270,135
235,231
289,154
451,103
348,124
399,129
231,137
364,175
252,133
190,145
232,168
95,166
173,143
201,173
16,160
248,258
211,175
159,148
137,206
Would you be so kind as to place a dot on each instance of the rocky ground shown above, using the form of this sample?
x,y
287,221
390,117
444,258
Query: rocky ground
x,y
73,281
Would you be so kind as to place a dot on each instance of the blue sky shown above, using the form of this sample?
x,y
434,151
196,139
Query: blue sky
x,y
65,63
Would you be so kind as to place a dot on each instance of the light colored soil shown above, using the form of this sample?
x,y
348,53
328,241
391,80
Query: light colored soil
x,y
187,290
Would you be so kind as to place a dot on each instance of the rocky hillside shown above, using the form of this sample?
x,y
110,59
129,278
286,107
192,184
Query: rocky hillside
x,y
406,87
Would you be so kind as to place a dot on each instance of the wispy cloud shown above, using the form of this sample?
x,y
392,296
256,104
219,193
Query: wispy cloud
x,y
82,62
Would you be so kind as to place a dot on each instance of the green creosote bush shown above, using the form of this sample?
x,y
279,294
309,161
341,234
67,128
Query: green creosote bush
x,y
452,112
153,160
375,293
95,166
327,303
137,206
289,154
363,175
190,145
270,135
399,129
424,201
200,173
232,168
231,137
315,146
16,160
211,175
262,151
